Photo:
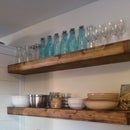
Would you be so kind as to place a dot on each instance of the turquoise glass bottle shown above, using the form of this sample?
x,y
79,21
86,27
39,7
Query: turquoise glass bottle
x,y
82,40
42,48
49,47
64,43
56,44
72,42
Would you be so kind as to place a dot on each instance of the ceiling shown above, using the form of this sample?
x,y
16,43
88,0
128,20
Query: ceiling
x,y
18,14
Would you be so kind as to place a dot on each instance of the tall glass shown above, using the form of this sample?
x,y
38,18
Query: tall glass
x,y
19,55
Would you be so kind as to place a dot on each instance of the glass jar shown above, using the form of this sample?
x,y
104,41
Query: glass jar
x,y
42,48
82,40
49,47
64,43
56,44
72,41
56,101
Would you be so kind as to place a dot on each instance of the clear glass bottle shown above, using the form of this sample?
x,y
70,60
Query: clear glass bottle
x,y
72,42
64,43
49,47
42,48
82,40
56,44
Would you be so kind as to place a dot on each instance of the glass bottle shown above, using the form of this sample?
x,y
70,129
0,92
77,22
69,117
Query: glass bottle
x,y
82,40
49,47
56,44
42,48
72,42
64,43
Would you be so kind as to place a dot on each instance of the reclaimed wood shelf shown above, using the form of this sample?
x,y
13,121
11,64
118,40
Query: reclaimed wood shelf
x,y
110,53
113,117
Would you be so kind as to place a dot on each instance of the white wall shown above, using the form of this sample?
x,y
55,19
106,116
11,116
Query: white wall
x,y
9,85
106,78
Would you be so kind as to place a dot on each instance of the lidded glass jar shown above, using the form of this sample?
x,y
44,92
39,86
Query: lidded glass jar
x,y
64,43
49,47
56,101
82,40
56,44
42,48
72,42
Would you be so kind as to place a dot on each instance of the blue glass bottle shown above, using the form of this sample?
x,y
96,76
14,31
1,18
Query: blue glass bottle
x,y
64,43
72,42
49,47
42,48
56,44
82,40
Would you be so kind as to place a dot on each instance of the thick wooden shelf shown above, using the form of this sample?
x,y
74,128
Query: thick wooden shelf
x,y
114,117
111,53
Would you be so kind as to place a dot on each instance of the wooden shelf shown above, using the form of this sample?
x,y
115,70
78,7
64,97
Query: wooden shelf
x,y
114,117
111,53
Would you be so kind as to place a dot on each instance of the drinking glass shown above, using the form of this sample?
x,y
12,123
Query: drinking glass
x,y
19,55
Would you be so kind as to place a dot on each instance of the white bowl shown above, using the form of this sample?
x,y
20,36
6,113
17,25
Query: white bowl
x,y
100,105
75,106
75,100
20,101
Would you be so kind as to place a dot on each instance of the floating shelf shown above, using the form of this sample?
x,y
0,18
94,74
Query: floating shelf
x,y
111,53
114,117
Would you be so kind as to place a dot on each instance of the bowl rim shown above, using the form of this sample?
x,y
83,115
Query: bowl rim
x,y
108,100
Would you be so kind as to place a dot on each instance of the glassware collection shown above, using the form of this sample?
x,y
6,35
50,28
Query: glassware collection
x,y
88,37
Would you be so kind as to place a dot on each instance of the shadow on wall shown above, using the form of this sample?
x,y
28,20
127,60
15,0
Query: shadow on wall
x,y
96,70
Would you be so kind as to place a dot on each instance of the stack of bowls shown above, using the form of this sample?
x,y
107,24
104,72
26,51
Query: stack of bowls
x,y
20,101
102,101
76,103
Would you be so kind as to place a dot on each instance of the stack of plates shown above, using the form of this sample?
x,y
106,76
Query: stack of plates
x,y
75,103
102,101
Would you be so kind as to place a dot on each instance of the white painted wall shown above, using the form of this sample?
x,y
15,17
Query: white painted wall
x,y
9,85
106,78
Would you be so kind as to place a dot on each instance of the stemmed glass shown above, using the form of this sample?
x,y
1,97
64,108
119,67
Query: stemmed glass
x,y
91,36
121,28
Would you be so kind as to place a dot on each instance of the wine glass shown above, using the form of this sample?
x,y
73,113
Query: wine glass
x,y
90,35
121,26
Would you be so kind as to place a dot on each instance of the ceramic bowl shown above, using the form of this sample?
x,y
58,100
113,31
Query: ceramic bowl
x,y
20,101
76,106
75,103
75,100
103,96
101,104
